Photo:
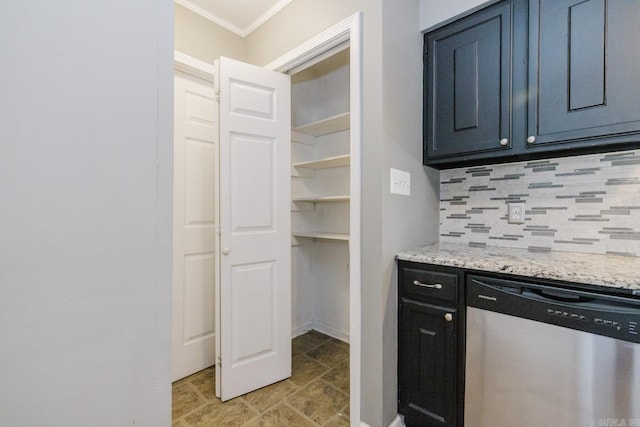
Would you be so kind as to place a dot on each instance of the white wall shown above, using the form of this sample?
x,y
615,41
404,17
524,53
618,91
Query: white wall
x,y
205,40
433,12
85,216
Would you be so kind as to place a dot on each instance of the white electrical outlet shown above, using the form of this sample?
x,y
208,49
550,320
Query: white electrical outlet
x,y
515,213
400,182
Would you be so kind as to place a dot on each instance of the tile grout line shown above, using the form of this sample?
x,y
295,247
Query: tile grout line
x,y
258,414
204,402
302,414
334,387
200,394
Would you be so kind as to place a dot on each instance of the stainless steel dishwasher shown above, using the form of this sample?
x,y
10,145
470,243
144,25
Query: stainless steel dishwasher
x,y
538,355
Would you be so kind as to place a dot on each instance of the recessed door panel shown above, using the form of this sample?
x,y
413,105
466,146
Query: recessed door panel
x,y
252,183
198,108
198,297
587,37
199,180
253,321
465,62
251,100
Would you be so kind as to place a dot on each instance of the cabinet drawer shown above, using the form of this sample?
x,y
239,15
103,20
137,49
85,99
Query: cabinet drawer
x,y
429,284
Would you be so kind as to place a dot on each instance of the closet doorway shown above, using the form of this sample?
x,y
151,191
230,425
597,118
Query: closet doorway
x,y
326,211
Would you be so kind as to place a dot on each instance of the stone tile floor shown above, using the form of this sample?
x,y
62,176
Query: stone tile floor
x,y
317,394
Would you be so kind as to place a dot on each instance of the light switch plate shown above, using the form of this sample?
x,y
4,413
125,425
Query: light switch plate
x,y
515,213
400,182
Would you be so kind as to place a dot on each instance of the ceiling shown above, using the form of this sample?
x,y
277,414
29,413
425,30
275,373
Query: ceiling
x,y
239,16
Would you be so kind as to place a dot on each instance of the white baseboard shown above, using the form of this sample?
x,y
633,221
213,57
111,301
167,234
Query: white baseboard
x,y
397,422
301,329
320,327
328,330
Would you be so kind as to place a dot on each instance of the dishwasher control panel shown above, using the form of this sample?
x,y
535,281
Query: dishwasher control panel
x,y
599,321
611,316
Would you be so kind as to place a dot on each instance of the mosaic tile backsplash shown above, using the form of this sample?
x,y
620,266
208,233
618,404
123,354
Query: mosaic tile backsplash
x,y
588,204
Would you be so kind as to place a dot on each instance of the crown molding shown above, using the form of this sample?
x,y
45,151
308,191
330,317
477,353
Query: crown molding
x,y
210,16
242,32
265,16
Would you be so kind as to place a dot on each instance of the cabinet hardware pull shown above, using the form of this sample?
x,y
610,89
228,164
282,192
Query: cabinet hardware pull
x,y
448,317
531,139
424,285
504,141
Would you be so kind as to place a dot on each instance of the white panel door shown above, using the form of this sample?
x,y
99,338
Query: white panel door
x,y
255,228
193,231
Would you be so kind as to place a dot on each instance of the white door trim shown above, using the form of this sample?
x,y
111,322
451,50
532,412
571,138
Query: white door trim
x,y
347,33
193,66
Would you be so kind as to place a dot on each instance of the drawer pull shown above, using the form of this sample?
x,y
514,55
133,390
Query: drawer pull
x,y
448,317
425,285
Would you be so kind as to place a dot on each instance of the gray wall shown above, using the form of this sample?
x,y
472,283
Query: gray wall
x,y
433,12
85,216
407,221
392,79
205,40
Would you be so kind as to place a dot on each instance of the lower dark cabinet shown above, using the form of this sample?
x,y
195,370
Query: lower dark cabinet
x,y
430,345
427,346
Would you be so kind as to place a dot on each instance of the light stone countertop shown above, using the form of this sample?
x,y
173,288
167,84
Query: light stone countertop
x,y
603,270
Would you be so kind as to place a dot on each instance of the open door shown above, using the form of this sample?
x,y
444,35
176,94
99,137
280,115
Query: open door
x,y
253,286
195,130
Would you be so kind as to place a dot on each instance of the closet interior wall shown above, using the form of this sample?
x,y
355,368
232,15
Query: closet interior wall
x,y
320,197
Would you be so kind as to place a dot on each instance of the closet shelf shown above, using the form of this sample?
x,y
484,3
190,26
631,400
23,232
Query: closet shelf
x,y
321,235
326,163
322,199
325,126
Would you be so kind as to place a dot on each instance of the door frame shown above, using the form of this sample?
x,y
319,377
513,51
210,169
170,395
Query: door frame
x,y
347,33
193,66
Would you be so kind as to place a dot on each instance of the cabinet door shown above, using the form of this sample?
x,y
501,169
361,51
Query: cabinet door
x,y
467,84
583,71
427,364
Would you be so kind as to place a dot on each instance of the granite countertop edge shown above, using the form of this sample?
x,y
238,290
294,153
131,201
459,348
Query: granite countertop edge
x,y
614,271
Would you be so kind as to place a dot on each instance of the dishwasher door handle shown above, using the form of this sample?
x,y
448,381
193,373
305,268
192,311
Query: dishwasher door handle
x,y
426,285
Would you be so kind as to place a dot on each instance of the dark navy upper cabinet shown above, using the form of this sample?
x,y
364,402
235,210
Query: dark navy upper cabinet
x,y
525,79
584,72
467,84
